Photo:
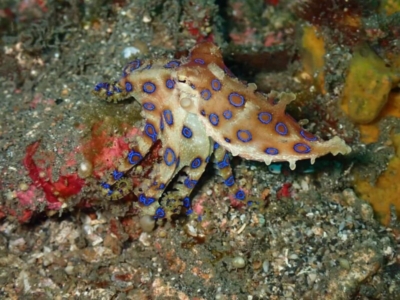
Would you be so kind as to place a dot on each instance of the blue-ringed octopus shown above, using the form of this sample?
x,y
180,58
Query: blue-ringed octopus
x,y
198,109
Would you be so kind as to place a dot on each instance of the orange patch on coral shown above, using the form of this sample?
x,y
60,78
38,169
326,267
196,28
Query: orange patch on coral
x,y
370,132
385,192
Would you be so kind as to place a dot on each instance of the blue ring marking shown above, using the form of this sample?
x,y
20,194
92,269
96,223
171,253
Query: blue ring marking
x,y
172,64
98,86
148,67
195,163
186,132
170,84
205,94
230,181
203,112
161,123
265,117
248,137
169,118
232,100
271,151
240,195
155,183
105,185
146,201
281,128
162,186
227,140
228,72
149,106
216,145
310,138
109,93
149,87
169,160
189,212
193,86
214,119
150,130
190,184
227,114
298,147
135,64
160,213
216,85
117,89
199,61
186,202
224,162
117,175
207,159
134,157
128,86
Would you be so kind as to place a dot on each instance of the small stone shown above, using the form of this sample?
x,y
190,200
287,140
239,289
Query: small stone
x,y
344,263
238,262
147,223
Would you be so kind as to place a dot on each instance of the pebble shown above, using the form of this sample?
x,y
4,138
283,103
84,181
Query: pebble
x,y
238,262
147,223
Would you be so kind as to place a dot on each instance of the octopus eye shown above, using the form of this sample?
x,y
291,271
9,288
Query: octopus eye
x,y
281,128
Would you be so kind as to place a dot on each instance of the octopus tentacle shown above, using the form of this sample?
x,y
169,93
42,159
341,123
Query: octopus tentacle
x,y
222,160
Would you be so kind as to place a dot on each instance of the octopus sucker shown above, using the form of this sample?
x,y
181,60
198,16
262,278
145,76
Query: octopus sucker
x,y
194,107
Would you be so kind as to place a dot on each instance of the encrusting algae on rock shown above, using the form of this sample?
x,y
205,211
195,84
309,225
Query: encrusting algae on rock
x,y
196,107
